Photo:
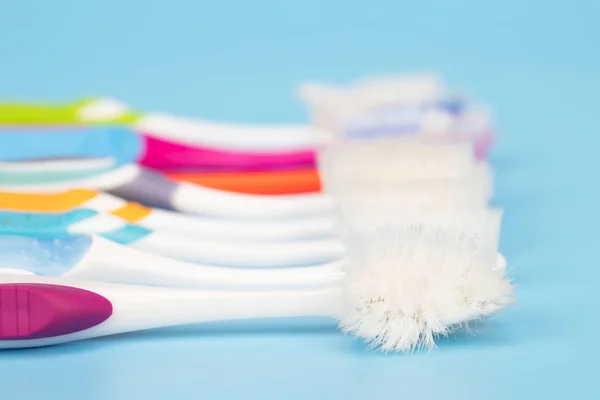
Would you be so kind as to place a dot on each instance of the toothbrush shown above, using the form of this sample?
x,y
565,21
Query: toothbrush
x,y
187,132
404,287
285,181
94,257
54,170
133,183
126,145
399,106
469,192
152,218
174,245
304,180
154,190
62,253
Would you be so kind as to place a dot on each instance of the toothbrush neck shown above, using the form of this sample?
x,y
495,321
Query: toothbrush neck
x,y
161,308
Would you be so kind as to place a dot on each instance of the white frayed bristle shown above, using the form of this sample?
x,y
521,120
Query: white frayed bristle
x,y
408,285
484,223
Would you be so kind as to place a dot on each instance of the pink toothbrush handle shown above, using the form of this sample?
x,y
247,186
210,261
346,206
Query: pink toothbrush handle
x,y
165,155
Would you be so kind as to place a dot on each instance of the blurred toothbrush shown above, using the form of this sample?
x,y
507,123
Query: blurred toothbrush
x,y
153,218
150,188
174,245
304,180
96,258
375,160
126,145
404,288
173,142
53,170
398,106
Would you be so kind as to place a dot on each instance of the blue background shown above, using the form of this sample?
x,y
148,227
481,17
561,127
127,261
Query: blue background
x,y
537,63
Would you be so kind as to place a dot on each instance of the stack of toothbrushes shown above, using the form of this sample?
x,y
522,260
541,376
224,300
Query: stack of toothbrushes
x,y
401,246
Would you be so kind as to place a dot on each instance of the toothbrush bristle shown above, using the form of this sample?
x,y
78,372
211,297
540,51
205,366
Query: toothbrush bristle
x,y
485,222
389,161
408,285
427,194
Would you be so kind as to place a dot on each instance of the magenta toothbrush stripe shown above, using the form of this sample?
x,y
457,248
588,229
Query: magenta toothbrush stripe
x,y
166,155
23,311
36,311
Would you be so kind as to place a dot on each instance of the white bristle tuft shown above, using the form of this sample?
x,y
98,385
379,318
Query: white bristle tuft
x,y
408,285
393,160
485,222
472,192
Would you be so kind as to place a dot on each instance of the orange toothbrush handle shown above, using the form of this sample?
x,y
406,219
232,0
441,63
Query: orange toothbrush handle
x,y
270,182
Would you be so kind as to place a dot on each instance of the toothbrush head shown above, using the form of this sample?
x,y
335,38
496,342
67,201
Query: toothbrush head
x,y
408,285
389,198
393,160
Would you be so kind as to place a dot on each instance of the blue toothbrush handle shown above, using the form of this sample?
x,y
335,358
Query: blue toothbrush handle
x,y
22,144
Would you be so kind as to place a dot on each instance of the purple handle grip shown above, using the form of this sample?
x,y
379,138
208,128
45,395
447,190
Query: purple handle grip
x,y
36,311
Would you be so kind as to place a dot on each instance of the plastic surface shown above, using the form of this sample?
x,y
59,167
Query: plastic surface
x,y
20,223
111,262
262,182
55,114
119,143
32,172
45,202
52,256
162,154
128,234
142,307
231,253
79,221
230,136
116,176
154,190
38,311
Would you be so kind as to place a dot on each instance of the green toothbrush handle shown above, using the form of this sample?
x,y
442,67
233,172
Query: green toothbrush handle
x,y
58,114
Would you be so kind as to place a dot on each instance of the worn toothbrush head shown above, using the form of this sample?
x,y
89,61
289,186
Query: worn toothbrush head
x,y
417,106
394,160
405,175
330,105
410,284
465,193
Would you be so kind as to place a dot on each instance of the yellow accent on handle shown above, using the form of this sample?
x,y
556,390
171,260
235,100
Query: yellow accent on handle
x,y
45,202
132,212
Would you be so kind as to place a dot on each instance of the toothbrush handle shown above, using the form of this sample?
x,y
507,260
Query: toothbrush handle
x,y
42,311
154,190
121,144
20,113
239,254
159,155
110,262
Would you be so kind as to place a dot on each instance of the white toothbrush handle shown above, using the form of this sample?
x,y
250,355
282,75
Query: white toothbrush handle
x,y
57,313
153,189
195,199
232,230
267,138
112,178
109,261
240,254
